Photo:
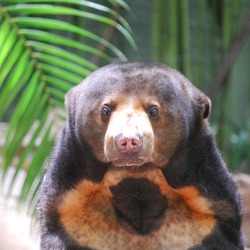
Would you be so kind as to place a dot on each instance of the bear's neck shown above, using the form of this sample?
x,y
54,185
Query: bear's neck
x,y
192,160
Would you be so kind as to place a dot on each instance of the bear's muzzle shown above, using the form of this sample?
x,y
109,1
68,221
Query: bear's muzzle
x,y
129,139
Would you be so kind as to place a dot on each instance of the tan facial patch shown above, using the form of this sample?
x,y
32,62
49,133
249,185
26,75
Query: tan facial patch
x,y
129,120
87,215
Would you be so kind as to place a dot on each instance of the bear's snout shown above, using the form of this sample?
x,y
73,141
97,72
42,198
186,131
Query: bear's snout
x,y
129,139
128,144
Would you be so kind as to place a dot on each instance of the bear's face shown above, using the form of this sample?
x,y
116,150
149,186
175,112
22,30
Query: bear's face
x,y
132,115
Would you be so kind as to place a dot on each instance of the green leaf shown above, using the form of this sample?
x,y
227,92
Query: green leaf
x,y
59,52
58,95
60,84
46,23
22,127
59,40
10,62
45,9
61,73
7,46
19,75
37,164
61,63
62,10
28,149
4,31
31,91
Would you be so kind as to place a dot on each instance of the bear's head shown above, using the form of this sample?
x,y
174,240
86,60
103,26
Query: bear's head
x,y
131,114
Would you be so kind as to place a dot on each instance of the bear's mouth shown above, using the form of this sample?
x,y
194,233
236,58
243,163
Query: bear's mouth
x,y
128,160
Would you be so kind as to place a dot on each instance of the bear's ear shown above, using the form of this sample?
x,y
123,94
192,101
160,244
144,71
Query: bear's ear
x,y
204,106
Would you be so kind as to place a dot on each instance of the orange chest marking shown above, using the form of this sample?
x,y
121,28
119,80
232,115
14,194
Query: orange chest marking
x,y
87,214
194,200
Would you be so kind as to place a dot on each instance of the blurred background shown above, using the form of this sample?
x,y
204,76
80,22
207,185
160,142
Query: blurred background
x,y
47,47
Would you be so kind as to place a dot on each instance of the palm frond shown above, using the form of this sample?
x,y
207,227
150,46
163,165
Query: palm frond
x,y
40,60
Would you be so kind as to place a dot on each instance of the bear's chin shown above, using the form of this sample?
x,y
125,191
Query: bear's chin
x,y
129,162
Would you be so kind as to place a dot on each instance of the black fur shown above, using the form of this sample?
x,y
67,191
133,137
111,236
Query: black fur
x,y
139,204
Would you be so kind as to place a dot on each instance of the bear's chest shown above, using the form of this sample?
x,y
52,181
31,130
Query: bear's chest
x,y
131,211
139,205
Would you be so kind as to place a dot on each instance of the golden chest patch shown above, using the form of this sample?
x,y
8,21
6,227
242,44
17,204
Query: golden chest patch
x,y
88,215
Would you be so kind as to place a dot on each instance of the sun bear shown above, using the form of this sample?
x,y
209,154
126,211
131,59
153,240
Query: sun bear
x,y
137,167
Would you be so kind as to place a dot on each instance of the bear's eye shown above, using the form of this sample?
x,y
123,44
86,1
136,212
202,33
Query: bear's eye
x,y
106,111
153,111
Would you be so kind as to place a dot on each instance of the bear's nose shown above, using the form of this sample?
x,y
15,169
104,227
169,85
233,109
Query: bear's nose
x,y
128,144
